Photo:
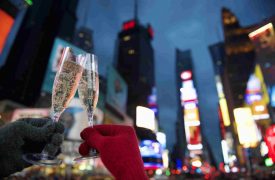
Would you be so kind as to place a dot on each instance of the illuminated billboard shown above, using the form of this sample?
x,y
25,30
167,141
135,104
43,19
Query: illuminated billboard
x,y
6,23
117,90
264,41
246,127
145,118
55,57
151,153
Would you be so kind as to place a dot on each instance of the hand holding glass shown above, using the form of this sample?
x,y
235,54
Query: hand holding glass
x,y
88,91
65,85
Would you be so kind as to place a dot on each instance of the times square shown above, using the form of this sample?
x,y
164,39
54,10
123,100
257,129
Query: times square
x,y
195,80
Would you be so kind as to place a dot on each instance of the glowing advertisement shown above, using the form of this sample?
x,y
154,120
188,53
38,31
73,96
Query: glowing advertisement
x,y
6,23
151,153
145,118
264,42
270,142
117,90
246,127
54,61
256,95
191,113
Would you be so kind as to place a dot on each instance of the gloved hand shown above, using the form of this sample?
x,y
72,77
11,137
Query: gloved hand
x,y
118,150
27,136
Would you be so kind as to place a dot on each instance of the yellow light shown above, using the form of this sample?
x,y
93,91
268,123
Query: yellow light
x,y
246,127
224,110
126,38
260,30
259,75
191,114
131,51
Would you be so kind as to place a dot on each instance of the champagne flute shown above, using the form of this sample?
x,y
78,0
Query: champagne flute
x,y
65,85
88,91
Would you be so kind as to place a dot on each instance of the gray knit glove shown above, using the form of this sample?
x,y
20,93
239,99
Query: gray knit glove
x,y
27,136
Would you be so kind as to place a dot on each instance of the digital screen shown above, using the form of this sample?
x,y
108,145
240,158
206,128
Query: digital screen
x,y
6,22
151,153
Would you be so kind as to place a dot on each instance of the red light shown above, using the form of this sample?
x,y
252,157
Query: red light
x,y
129,25
270,141
150,31
6,22
184,168
186,75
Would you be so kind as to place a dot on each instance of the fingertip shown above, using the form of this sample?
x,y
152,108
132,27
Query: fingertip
x,y
86,132
84,149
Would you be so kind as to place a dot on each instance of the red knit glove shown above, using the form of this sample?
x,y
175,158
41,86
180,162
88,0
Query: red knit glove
x,y
118,149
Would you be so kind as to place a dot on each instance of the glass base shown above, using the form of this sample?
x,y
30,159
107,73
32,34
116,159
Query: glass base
x,y
42,159
92,155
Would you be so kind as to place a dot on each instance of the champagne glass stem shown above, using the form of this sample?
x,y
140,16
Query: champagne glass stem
x,y
91,118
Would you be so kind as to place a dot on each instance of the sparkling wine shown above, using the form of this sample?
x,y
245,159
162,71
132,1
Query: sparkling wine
x,y
88,90
65,85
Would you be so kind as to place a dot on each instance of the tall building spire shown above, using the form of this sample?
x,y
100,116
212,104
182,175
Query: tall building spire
x,y
135,9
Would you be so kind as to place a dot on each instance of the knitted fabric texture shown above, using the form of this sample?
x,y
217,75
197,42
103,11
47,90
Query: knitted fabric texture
x,y
27,136
118,149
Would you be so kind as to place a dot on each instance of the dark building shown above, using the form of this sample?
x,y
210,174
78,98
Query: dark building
x,y
217,52
135,63
238,66
22,75
239,60
84,39
192,142
181,145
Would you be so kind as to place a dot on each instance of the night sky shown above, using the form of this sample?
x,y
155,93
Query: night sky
x,y
183,24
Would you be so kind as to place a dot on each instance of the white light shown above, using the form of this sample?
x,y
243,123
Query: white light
x,y
234,169
226,169
259,108
158,172
260,116
261,29
145,117
194,146
196,163
192,123
186,75
264,149
190,105
225,151
161,137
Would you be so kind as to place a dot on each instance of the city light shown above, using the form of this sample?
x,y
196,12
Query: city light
x,y
194,146
145,117
224,110
186,75
246,127
225,151
260,30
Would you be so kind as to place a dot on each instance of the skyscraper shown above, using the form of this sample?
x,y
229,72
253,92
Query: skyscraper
x,y
135,63
188,110
239,65
22,75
